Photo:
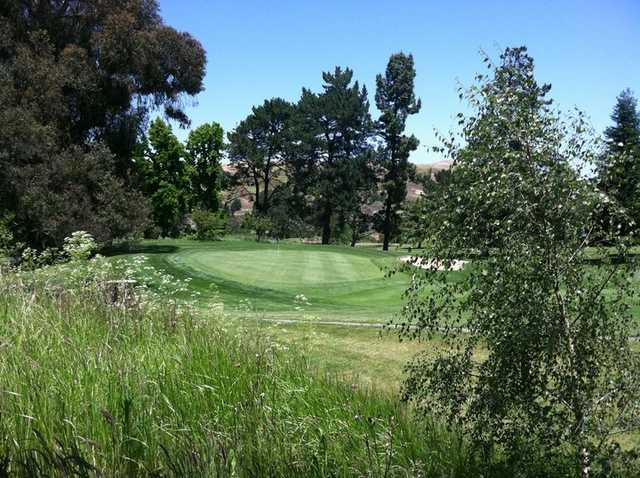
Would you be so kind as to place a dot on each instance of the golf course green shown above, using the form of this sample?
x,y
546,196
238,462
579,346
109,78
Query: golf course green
x,y
286,279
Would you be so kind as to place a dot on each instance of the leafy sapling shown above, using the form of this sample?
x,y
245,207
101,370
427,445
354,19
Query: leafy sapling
x,y
540,363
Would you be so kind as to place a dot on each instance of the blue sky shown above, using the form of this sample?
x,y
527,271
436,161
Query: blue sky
x,y
588,50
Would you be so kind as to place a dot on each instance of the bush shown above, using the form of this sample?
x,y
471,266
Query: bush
x,y
9,247
79,246
210,226
235,206
258,223
76,189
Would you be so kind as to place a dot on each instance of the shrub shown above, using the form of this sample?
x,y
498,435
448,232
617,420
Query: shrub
x,y
258,223
210,226
8,245
539,360
79,246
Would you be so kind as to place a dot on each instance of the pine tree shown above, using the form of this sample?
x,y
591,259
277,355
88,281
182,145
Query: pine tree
x,y
396,100
335,127
624,135
258,148
620,166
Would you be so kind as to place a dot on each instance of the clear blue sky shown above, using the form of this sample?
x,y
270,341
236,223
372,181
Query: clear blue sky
x,y
588,50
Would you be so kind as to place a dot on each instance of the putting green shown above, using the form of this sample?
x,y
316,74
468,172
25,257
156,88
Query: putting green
x,y
340,283
278,268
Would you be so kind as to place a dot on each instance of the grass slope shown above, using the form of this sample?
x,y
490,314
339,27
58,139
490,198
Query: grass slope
x,y
87,389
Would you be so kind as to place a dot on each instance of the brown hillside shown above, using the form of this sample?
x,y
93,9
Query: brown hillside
x,y
433,167
414,191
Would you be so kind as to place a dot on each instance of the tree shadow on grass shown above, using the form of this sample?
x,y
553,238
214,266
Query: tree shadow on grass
x,y
612,259
136,248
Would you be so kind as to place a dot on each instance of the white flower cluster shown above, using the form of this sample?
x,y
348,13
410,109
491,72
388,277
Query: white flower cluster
x,y
300,301
80,246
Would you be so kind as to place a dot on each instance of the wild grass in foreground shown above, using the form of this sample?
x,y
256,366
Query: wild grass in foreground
x,y
92,389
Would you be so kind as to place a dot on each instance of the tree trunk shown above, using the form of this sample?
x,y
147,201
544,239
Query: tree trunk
x,y
585,462
584,459
265,194
386,228
326,225
355,231
256,204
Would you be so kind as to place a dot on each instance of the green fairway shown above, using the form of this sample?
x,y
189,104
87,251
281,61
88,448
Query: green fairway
x,y
263,279
339,283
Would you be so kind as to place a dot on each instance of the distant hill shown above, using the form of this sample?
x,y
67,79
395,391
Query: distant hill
x,y
414,191
433,167
246,194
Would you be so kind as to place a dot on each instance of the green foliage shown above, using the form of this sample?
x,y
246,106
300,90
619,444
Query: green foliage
x,y
624,135
165,177
285,219
8,245
76,77
79,246
415,219
235,206
260,224
259,147
396,100
619,167
355,216
334,128
358,222
210,226
205,147
75,189
539,360
387,224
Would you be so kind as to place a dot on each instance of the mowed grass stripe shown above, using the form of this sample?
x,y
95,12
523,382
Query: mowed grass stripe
x,y
286,268
341,283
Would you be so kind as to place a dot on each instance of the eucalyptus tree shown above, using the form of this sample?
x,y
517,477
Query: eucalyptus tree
x,y
335,131
396,100
538,324
258,149
78,81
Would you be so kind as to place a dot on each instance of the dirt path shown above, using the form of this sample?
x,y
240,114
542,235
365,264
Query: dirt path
x,y
323,322
357,324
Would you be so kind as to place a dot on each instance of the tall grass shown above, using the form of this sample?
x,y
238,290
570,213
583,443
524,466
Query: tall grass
x,y
88,388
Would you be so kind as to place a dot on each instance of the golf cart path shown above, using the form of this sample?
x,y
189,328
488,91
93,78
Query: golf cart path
x,y
343,323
